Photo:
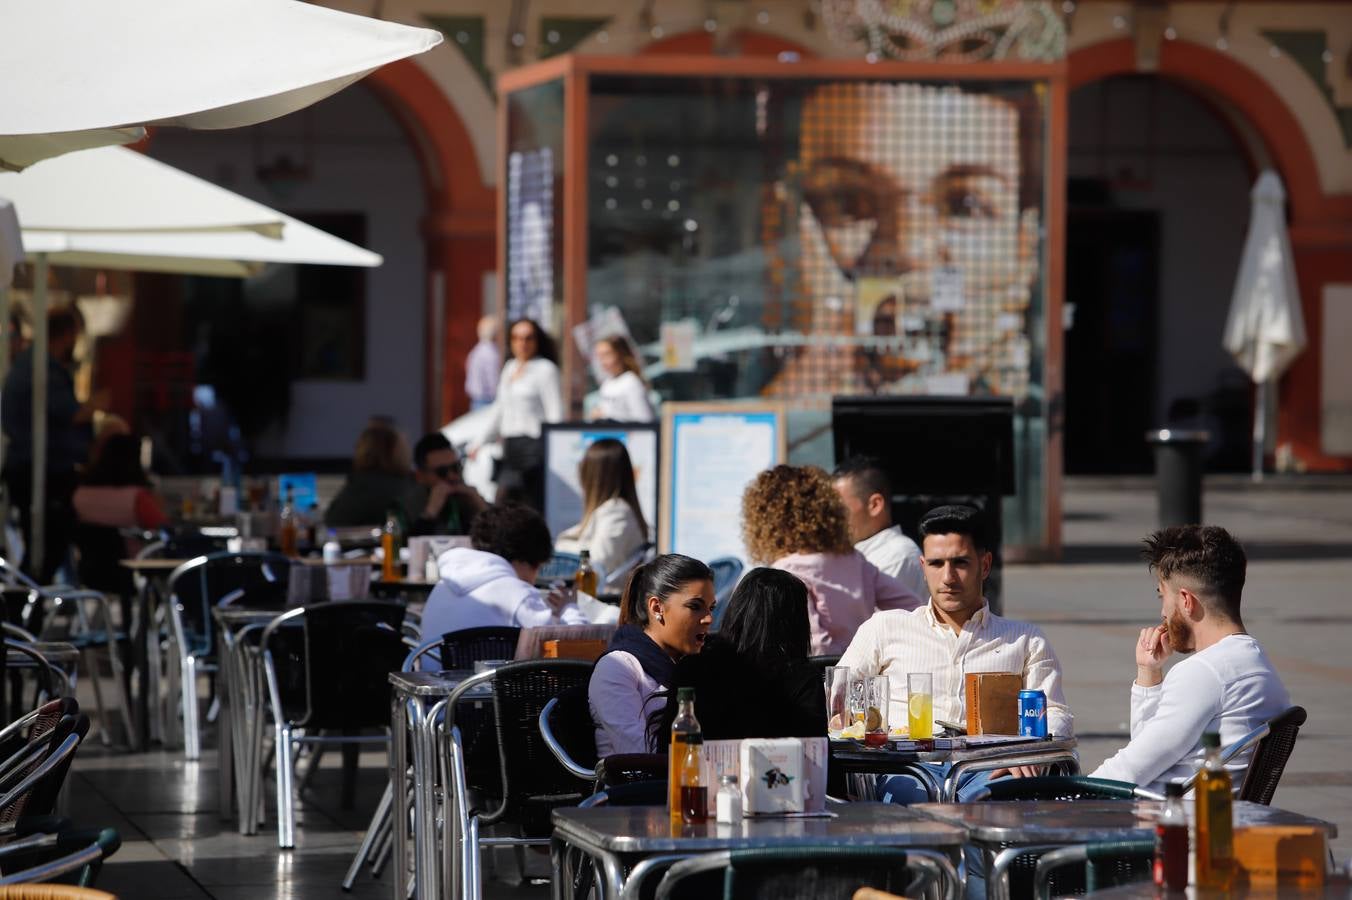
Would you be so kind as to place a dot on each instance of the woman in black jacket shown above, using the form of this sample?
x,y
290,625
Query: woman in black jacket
x,y
753,678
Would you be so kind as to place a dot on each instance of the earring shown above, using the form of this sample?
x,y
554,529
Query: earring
x,y
660,620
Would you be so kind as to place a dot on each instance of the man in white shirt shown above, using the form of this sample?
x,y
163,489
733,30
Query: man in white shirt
x,y
954,634
1229,686
866,492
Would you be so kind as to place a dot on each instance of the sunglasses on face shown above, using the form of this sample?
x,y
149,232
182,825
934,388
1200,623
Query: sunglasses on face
x,y
448,469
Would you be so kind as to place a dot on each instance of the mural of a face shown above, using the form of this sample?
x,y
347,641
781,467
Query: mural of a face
x,y
912,191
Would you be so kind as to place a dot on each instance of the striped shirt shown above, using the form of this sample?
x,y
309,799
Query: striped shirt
x,y
896,643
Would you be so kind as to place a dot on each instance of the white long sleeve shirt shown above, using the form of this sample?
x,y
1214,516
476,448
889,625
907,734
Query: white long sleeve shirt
x,y
1230,688
896,643
622,696
612,536
525,402
897,555
624,398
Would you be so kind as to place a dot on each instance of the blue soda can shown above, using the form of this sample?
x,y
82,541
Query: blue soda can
x,y
1032,714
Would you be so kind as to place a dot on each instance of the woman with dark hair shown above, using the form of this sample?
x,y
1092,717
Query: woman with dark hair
x,y
753,678
612,528
623,393
528,396
665,614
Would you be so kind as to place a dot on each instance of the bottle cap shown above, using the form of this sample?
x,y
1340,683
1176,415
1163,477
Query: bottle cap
x,y
1211,739
685,694
584,555
728,780
1173,789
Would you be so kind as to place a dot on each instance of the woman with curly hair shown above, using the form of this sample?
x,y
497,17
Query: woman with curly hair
x,y
793,519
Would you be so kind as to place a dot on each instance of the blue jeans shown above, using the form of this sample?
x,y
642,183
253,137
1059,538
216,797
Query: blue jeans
x,y
907,789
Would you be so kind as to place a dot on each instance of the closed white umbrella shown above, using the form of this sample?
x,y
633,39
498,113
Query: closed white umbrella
x,y
79,74
114,208
1265,330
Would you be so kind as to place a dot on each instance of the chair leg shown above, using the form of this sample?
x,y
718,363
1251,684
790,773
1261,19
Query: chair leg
x,y
192,738
473,861
311,766
368,841
91,666
215,709
286,810
120,687
384,845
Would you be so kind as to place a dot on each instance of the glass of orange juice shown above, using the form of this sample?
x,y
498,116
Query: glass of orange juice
x,y
920,704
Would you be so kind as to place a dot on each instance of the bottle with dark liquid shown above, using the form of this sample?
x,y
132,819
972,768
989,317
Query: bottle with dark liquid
x,y
288,529
1171,842
584,581
391,538
687,796
1215,806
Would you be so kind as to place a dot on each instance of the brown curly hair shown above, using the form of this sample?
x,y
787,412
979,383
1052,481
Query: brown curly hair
x,y
793,509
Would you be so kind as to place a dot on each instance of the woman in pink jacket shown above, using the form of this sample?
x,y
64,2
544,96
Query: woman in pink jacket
x,y
792,519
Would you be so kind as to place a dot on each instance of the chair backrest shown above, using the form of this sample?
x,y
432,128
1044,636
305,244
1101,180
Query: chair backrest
x,y
822,873
201,583
727,570
31,787
570,724
1056,787
534,783
332,662
1269,759
460,650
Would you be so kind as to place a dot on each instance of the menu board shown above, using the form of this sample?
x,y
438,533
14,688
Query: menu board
x,y
565,445
710,453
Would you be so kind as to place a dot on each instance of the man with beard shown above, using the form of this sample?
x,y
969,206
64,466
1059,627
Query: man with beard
x,y
68,438
1228,685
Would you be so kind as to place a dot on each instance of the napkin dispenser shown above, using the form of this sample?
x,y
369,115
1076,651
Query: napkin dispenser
x,y
773,780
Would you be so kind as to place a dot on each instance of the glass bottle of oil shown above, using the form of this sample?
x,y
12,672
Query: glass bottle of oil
x,y
687,797
391,539
288,530
584,580
1215,804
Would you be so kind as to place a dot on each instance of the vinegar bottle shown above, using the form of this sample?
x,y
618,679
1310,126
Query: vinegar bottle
x,y
390,540
687,798
584,581
1215,804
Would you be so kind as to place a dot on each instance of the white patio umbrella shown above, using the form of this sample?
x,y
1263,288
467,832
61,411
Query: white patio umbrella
x,y
81,74
1265,330
114,208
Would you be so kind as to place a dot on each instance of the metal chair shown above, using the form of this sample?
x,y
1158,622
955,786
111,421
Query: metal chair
x,y
1105,864
533,784
326,669
194,588
75,851
727,570
1275,739
826,873
614,582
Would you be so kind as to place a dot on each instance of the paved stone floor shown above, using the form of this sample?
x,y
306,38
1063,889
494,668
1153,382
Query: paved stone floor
x,y
1092,605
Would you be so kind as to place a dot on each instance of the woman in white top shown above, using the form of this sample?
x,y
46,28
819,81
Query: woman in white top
x,y
624,393
528,396
612,528
666,614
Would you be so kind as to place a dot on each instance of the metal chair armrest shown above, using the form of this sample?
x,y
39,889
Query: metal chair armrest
x,y
556,748
1034,758
1249,740
997,879
62,753
1050,862
411,661
646,868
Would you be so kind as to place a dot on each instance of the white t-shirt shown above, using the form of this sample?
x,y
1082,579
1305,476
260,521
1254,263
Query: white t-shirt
x,y
895,554
1230,687
624,398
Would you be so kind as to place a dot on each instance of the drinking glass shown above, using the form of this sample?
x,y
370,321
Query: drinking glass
x,y
876,699
837,684
920,704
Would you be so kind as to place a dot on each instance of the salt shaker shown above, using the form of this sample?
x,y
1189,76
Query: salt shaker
x,y
333,552
729,801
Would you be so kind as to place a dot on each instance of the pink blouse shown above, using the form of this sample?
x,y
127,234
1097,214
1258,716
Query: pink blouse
x,y
844,590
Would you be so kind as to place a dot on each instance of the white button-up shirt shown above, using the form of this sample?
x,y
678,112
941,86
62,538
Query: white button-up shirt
x,y
896,643
897,555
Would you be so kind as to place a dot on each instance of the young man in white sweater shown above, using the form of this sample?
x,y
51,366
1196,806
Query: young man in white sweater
x,y
1227,685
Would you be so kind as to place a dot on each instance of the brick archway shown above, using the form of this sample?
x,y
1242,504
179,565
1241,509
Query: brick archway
x,y
1321,223
458,227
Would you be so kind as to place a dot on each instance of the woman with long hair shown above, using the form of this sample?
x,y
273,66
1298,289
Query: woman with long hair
x,y
753,677
528,396
793,519
381,479
624,392
612,528
665,614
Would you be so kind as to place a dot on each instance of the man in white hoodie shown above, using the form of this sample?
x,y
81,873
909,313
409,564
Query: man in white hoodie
x,y
494,583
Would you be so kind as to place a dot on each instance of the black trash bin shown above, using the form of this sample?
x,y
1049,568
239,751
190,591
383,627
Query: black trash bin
x,y
1178,474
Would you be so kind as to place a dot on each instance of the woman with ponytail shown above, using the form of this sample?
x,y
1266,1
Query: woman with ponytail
x,y
665,614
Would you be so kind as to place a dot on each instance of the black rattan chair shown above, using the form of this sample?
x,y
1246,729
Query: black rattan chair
x,y
1269,760
74,856
1105,864
462,649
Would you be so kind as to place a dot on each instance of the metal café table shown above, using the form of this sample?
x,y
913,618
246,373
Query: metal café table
x,y
1339,888
1003,830
856,758
621,838
412,699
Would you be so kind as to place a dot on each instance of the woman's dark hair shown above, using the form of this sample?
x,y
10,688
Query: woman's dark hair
x,y
766,620
544,344
118,464
660,578
516,533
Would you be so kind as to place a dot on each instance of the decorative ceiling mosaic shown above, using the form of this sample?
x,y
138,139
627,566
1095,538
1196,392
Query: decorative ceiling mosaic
x,y
949,30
